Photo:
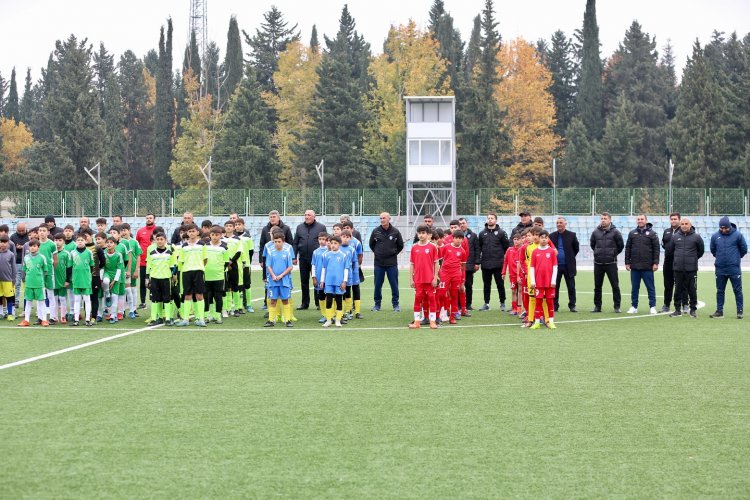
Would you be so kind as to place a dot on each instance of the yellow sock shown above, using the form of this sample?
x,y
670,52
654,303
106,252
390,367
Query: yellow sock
x,y
329,313
339,314
347,304
272,312
291,308
287,311
532,308
357,306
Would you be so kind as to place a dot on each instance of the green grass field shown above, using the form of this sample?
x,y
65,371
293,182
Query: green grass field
x,y
606,405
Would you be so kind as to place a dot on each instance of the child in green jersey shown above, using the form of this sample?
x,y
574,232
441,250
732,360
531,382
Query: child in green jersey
x,y
217,260
248,248
35,268
60,299
193,259
81,264
112,275
48,249
124,250
160,268
232,287
135,252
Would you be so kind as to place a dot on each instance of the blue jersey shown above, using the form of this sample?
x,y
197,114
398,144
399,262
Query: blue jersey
x,y
279,261
351,254
335,265
317,263
358,250
270,246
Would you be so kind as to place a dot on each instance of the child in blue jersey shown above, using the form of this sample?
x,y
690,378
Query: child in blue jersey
x,y
266,250
352,299
317,270
334,278
278,275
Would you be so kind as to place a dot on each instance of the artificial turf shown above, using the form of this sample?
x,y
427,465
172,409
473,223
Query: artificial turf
x,y
619,406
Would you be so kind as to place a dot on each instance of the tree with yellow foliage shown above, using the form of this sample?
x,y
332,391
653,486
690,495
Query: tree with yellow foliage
x,y
14,139
410,65
523,92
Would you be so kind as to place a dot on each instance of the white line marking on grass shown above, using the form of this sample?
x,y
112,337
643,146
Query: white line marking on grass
x,y
75,347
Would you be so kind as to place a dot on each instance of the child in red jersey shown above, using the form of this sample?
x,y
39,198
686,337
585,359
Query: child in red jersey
x,y
453,273
424,276
542,277
510,267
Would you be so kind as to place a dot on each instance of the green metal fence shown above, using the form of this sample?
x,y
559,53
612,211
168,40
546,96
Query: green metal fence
x,y
726,201
190,200
262,201
376,201
499,200
158,202
43,203
652,201
616,201
536,200
13,204
689,201
341,201
466,201
573,201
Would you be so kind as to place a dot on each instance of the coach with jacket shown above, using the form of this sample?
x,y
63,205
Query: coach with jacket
x,y
642,260
606,243
728,246
566,243
274,220
491,246
471,260
305,243
386,243
687,247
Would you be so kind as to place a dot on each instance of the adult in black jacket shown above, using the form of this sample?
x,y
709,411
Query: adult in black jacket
x,y
491,246
668,268
305,243
687,247
566,243
606,242
524,223
642,260
472,266
386,243
427,221
187,218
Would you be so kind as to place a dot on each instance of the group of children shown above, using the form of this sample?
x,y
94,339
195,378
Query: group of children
x,y
438,271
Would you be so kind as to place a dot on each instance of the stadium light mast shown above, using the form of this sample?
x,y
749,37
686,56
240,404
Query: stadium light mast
x,y
206,171
199,25
98,181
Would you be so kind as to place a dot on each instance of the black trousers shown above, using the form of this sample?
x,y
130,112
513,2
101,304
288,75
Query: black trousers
x,y
143,284
469,287
96,284
685,282
611,271
305,268
487,275
668,272
570,284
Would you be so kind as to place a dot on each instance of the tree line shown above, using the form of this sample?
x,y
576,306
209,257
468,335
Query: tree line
x,y
267,114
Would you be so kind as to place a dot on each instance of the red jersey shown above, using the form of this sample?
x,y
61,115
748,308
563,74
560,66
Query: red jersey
x,y
521,260
143,237
464,243
544,266
510,264
453,260
423,258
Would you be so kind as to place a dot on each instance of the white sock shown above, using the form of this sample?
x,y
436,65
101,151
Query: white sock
x,y
52,304
433,316
417,315
121,302
77,307
41,309
69,297
105,287
87,307
115,303
27,310
63,306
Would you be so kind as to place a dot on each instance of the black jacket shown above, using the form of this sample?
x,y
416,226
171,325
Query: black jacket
x,y
607,244
265,237
570,247
687,249
520,227
665,239
306,240
642,249
18,239
473,242
491,247
386,244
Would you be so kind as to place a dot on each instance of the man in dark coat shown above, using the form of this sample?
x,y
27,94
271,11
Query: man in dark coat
x,y
668,268
305,243
386,243
728,246
524,223
471,263
606,242
687,247
491,247
642,260
566,243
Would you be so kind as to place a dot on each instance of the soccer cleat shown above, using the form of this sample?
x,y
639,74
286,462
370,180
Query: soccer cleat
x,y
327,323
182,322
465,314
322,320
120,317
236,314
375,308
52,322
652,311
359,316
338,323
664,309
219,321
200,323
693,314
676,314
289,324
45,323
269,324
717,314
10,317
617,310
525,324
89,324
63,321
452,320
75,323
224,314
169,322
739,314
38,322
156,322
536,326
502,306
112,321
434,325
131,315
108,301
142,305
513,313
686,309
99,319
250,309
415,325
24,323
240,311
485,307
573,309
551,325
444,316
633,310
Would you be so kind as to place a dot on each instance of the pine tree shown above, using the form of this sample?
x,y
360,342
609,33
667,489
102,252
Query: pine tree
x,y
314,42
472,50
590,90
26,108
244,154
269,41
138,118
211,70
621,161
449,40
437,10
110,110
670,80
11,107
232,68
559,60
151,62
338,112
3,90
164,113
40,124
580,166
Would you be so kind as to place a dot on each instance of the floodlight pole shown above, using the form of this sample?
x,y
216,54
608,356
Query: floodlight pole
x,y
554,186
206,171
320,169
98,181
671,198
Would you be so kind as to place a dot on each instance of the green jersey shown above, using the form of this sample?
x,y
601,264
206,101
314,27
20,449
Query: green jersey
x,y
123,249
113,263
81,262
159,262
48,249
246,245
135,252
61,269
35,267
234,245
216,258
70,246
192,256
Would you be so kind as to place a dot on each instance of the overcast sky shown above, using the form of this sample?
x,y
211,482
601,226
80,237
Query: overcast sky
x,y
29,28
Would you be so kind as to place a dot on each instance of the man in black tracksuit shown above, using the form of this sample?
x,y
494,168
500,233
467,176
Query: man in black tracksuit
x,y
305,243
491,246
471,260
524,223
386,243
606,242
642,260
668,268
687,247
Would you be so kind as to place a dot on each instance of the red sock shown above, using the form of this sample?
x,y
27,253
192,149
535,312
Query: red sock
x,y
551,308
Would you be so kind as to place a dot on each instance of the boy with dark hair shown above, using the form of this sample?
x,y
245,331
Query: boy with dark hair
x,y
248,249
59,302
134,254
423,270
217,259
278,268
193,259
101,225
317,270
124,250
96,283
543,277
206,226
160,269
333,278
7,276
453,273
112,276
49,250
70,241
79,277
35,268
232,283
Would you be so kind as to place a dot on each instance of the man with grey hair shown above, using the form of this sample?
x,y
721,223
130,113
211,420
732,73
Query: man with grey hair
x,y
187,218
305,243
386,243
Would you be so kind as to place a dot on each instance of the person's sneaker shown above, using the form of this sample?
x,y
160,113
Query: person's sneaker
x,y
573,309
415,325
664,309
424,321
693,314
551,325
465,313
269,324
89,323
75,323
536,326
112,320
182,322
433,325
686,309
250,309
265,315
24,323
444,316
513,313
240,311
169,322
523,315
155,322
596,310
327,323
485,307
63,321
51,321
338,323
219,321
236,314
45,323
375,308
452,320
131,315
119,317
396,309
99,319
739,314
224,314
142,305
632,310
617,310
200,323
502,306
322,320
652,311
289,324
525,324
10,317
359,316
676,314
717,314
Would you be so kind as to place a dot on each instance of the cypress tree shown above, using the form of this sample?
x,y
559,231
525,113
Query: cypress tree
x,y
3,90
164,113
590,90
11,107
559,60
138,118
244,154
232,68
449,39
472,50
670,80
110,110
151,62
621,161
266,45
314,42
211,65
580,165
26,108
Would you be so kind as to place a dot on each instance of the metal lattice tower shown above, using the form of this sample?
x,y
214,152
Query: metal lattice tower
x,y
199,26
